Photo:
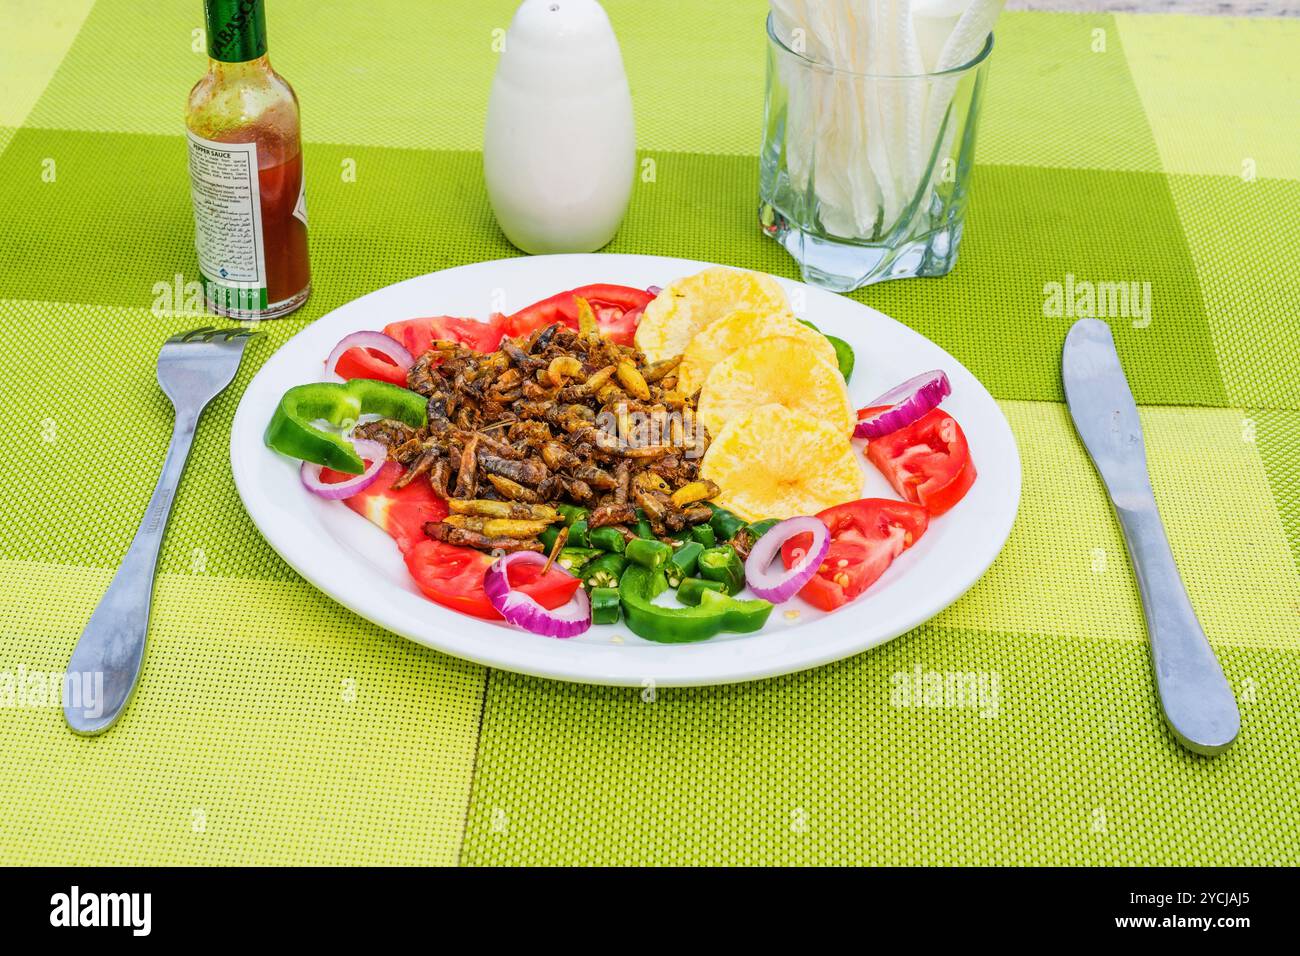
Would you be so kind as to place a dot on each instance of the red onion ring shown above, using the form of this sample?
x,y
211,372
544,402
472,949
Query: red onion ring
x,y
337,491
376,341
785,584
907,403
522,611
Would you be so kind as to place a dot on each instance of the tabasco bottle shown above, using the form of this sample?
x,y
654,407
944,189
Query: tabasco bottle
x,y
250,210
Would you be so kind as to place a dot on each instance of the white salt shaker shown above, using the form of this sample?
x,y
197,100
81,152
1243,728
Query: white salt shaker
x,y
559,149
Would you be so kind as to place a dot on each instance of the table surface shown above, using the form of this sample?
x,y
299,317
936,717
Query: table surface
x,y
272,726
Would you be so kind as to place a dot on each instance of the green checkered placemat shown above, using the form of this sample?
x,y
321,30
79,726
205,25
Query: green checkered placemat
x,y
272,726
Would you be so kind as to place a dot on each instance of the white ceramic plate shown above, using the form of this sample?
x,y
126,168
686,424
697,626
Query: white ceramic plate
x,y
357,564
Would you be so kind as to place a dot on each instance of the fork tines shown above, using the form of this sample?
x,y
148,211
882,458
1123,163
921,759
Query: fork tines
x,y
208,333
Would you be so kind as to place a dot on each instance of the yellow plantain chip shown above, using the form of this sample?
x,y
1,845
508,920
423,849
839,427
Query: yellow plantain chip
x,y
780,369
733,332
772,462
689,304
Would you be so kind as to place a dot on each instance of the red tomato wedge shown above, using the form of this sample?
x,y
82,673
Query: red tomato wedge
x,y
453,577
617,308
866,536
366,363
401,513
418,335
558,308
928,462
447,574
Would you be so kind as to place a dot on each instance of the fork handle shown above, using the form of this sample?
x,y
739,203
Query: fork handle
x,y
106,662
1195,696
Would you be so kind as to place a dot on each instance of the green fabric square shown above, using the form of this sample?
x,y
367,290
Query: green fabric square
x,y
849,765
1060,93
36,37
1244,237
93,218
1220,93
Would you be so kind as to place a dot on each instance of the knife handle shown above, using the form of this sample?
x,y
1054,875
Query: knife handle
x,y
1194,694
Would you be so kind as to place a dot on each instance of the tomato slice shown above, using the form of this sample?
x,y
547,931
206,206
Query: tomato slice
x,y
928,462
452,576
403,513
418,335
866,536
445,573
558,308
367,363
617,308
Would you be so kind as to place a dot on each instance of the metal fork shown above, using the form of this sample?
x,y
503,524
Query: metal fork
x,y
193,369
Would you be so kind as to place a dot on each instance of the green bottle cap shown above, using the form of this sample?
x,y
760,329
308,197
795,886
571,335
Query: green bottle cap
x,y
236,29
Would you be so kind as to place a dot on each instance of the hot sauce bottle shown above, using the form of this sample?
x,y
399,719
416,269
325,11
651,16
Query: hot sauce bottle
x,y
245,151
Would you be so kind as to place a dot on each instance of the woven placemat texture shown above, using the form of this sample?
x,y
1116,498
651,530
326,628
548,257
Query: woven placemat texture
x,y
1020,726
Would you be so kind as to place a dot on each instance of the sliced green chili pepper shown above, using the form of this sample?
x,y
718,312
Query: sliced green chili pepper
x,y
607,539
606,604
678,625
292,432
643,529
724,523
760,528
574,560
690,590
648,553
548,537
603,571
683,562
704,535
723,564
578,534
572,514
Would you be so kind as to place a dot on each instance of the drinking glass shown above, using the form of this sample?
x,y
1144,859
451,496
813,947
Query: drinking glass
x,y
866,177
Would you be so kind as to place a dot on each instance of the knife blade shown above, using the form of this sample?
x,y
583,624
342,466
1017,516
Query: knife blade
x,y
1195,697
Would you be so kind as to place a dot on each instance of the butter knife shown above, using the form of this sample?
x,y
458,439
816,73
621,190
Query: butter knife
x,y
1194,695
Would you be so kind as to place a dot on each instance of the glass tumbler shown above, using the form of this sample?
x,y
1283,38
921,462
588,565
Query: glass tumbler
x,y
864,177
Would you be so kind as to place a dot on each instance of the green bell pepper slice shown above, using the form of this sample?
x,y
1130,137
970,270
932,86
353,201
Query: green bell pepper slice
x,y
681,625
603,571
292,430
606,605
723,564
683,562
